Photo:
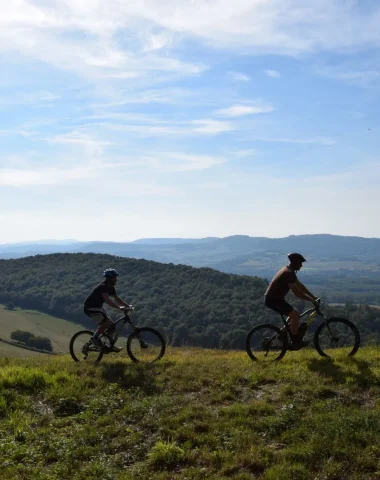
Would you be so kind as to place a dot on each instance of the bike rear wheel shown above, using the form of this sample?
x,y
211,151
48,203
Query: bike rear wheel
x,y
266,343
82,349
145,345
337,338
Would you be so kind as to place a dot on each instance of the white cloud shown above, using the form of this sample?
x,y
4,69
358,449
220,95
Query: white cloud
x,y
128,39
301,141
157,41
162,95
251,152
168,162
240,77
44,176
240,110
91,145
211,126
33,98
273,26
185,162
273,73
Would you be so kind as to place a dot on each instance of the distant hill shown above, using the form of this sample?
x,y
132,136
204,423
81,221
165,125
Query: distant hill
x,y
213,249
345,267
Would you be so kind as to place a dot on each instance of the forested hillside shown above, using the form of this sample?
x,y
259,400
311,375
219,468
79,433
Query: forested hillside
x,y
196,306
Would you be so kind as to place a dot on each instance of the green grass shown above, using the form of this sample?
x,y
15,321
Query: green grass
x,y
196,415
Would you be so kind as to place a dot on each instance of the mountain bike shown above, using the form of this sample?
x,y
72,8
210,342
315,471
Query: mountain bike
x,y
144,344
335,337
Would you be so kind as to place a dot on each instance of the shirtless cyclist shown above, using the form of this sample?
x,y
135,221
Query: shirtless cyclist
x,y
285,280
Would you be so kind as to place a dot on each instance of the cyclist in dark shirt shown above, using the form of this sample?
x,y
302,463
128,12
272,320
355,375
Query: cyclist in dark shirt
x,y
93,305
285,280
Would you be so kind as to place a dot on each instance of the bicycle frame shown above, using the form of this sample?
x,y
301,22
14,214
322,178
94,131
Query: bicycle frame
x,y
122,321
315,311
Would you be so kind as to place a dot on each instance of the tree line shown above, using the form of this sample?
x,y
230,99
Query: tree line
x,y
194,306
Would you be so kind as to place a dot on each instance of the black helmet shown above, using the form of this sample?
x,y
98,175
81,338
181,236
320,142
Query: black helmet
x,y
110,272
296,258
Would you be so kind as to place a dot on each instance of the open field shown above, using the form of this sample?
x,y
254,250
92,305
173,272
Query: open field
x,y
13,351
197,414
58,330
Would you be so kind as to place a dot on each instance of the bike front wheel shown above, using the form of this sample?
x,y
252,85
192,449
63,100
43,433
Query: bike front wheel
x,y
82,349
266,342
145,345
337,338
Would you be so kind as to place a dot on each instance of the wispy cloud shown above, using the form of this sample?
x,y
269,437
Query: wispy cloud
x,y
31,98
251,152
91,145
272,73
132,38
28,177
211,126
327,141
239,77
363,77
240,110
181,162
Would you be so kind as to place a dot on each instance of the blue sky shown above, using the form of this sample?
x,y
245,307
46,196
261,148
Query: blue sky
x,y
124,120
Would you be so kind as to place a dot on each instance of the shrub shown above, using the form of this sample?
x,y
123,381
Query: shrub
x,y
21,336
166,455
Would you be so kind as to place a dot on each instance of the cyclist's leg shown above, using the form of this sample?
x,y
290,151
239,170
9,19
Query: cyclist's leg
x,y
101,318
294,317
282,307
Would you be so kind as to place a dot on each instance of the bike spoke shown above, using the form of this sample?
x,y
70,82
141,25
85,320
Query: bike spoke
x,y
82,349
145,346
265,343
337,339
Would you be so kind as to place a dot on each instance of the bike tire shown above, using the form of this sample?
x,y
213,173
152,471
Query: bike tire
x,y
332,321
269,327
153,336
74,353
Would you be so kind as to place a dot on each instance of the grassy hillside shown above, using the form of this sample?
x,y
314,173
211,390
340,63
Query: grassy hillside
x,y
58,330
198,414
10,351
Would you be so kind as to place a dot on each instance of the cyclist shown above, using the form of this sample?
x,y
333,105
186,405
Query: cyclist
x,y
285,280
93,305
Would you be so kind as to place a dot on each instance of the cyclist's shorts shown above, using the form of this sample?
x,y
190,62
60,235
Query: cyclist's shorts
x,y
279,305
97,314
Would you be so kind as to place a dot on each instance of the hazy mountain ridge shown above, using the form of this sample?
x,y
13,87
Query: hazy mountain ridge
x,y
344,266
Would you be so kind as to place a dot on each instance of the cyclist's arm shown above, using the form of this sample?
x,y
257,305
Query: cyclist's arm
x,y
302,287
109,302
300,294
121,302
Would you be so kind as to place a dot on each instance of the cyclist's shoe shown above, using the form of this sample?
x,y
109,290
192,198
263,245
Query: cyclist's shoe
x,y
116,349
298,344
96,342
282,336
